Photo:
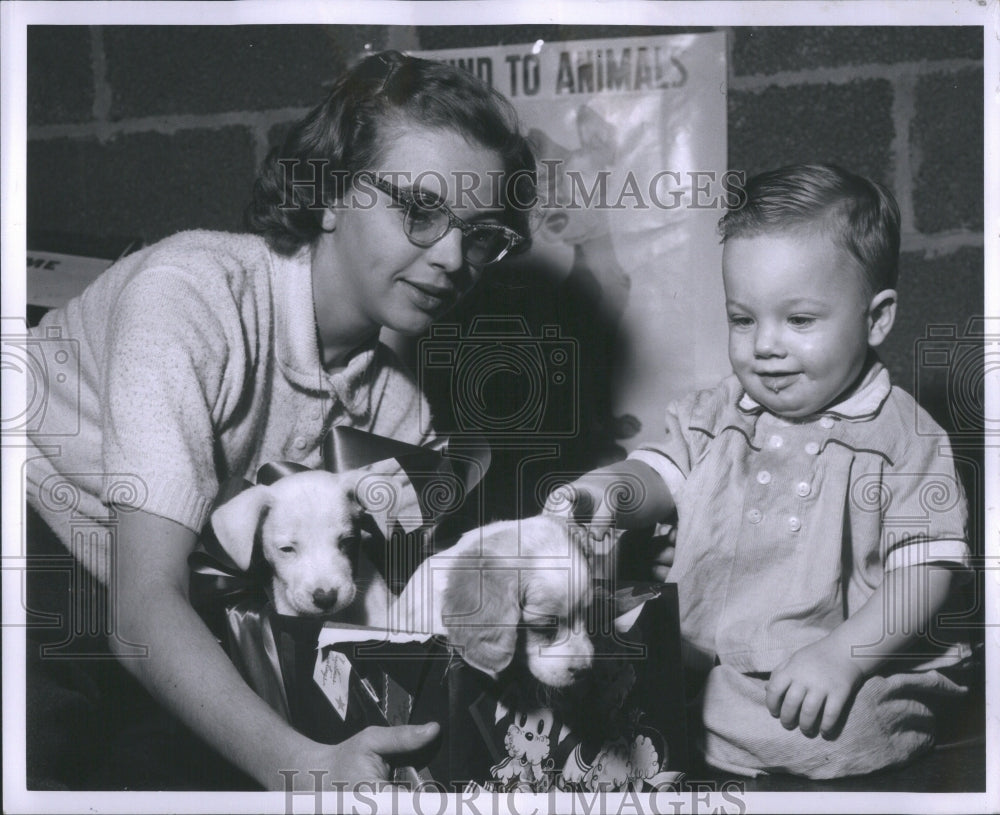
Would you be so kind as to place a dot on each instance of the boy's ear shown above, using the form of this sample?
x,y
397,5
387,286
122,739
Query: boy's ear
x,y
881,316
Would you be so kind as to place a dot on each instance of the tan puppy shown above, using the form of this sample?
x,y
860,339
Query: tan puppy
x,y
511,588
307,525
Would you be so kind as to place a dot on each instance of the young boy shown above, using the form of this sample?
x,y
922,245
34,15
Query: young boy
x,y
817,532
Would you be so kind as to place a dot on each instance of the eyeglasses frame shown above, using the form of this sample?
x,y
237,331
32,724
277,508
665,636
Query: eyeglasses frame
x,y
406,198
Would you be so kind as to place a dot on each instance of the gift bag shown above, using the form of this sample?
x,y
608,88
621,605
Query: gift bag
x,y
331,680
622,727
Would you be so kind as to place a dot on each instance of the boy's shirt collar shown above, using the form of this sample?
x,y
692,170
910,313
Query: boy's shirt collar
x,y
864,403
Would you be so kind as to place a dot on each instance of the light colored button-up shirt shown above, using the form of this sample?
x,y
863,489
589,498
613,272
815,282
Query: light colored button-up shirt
x,y
787,527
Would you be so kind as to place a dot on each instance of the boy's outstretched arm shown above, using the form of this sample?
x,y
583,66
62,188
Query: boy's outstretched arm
x,y
627,495
812,689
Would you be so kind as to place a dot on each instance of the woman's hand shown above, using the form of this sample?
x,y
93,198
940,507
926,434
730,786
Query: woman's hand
x,y
813,687
362,758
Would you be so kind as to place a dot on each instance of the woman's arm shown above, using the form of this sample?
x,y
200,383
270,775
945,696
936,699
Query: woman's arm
x,y
189,673
811,689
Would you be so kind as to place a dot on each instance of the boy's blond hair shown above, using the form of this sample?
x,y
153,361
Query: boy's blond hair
x,y
861,215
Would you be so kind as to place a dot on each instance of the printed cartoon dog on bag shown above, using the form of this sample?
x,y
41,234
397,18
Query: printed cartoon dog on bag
x,y
529,741
618,765
307,526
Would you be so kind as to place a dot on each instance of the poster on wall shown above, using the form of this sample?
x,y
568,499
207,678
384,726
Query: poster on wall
x,y
630,137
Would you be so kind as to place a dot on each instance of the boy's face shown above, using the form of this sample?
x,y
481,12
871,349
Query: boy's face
x,y
799,321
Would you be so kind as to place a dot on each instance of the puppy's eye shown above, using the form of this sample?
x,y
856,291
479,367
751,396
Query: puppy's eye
x,y
287,549
546,633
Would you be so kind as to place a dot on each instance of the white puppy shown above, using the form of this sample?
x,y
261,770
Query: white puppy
x,y
307,525
511,588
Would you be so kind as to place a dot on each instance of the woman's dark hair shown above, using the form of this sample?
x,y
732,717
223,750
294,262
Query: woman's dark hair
x,y
860,215
340,138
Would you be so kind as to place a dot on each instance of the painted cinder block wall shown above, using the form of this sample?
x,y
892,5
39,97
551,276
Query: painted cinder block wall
x,y
143,131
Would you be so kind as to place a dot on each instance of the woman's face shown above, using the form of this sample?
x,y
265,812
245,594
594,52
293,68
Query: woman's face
x,y
366,272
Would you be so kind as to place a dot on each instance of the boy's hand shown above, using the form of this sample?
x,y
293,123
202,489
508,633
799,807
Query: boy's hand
x,y
586,504
626,495
664,545
812,688
605,502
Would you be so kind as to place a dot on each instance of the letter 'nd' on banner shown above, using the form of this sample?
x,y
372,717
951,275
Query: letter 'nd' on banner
x,y
630,134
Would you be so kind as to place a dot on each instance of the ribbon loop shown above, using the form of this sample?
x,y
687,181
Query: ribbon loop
x,y
273,470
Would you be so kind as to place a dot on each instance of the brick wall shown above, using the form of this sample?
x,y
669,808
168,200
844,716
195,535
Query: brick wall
x,y
142,131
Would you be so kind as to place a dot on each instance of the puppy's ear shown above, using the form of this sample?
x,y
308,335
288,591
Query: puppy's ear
x,y
481,609
235,522
353,502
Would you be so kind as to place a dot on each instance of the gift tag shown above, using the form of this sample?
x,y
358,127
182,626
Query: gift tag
x,y
333,675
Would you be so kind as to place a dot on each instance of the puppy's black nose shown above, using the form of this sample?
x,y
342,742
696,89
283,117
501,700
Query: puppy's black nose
x,y
325,599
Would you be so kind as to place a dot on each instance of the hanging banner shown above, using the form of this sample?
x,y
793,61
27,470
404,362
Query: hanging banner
x,y
631,140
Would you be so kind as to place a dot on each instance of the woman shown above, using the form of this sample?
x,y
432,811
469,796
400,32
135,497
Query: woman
x,y
208,354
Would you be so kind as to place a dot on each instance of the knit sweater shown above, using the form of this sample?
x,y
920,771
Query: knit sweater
x,y
185,364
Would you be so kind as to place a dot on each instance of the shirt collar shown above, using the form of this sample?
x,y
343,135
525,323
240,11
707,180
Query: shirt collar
x,y
865,402
297,343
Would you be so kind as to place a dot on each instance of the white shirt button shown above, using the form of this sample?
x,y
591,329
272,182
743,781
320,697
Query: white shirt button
x,y
764,477
776,441
826,422
803,489
794,524
812,448
300,443
754,516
